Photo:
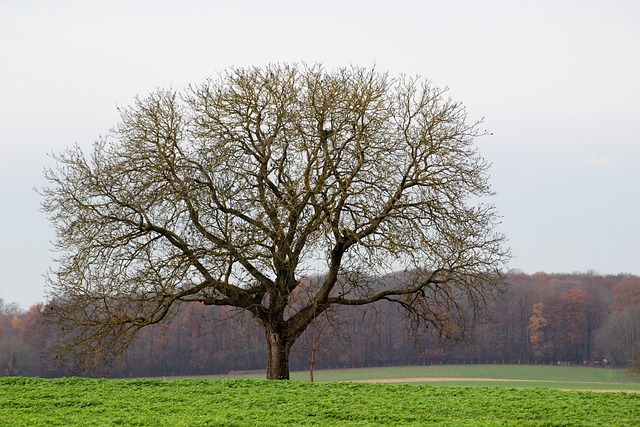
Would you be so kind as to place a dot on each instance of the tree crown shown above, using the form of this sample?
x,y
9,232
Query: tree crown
x,y
230,191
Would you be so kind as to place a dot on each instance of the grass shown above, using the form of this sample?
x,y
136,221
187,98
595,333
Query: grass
x,y
513,376
332,402
198,402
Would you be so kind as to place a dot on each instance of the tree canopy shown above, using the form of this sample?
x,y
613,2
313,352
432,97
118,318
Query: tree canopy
x,y
229,192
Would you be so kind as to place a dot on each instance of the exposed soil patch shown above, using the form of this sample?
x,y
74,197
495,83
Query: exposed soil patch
x,y
417,380
455,379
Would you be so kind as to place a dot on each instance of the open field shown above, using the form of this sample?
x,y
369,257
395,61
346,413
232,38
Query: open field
x,y
512,376
243,402
449,395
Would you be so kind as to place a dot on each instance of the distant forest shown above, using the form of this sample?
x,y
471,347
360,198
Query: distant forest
x,y
541,318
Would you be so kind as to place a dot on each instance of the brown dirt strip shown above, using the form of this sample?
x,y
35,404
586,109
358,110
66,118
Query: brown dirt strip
x,y
454,379
417,380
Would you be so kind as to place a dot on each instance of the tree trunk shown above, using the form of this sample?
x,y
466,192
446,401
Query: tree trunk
x,y
312,362
277,357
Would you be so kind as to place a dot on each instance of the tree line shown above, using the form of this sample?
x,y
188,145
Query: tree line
x,y
541,318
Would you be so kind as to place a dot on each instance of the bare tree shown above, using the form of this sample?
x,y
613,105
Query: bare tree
x,y
226,193
316,341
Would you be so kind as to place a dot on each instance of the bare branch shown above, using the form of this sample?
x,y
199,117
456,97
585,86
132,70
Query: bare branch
x,y
228,193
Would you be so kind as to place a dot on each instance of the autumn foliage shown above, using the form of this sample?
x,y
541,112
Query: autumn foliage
x,y
542,318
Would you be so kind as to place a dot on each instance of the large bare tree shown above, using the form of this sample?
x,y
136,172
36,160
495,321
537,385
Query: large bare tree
x,y
227,193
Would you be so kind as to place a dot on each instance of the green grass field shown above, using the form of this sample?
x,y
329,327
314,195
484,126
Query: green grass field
x,y
248,402
512,376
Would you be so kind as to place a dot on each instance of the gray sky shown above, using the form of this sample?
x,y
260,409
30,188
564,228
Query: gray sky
x,y
557,82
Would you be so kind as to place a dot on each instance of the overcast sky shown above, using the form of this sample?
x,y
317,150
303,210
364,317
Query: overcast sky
x,y
558,83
